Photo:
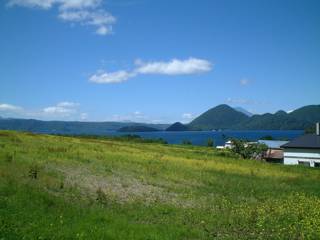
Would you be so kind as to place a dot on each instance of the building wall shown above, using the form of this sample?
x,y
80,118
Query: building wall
x,y
294,155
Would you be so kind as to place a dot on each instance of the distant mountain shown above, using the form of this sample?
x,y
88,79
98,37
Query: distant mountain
x,y
219,117
224,117
138,129
268,121
302,118
177,127
309,113
64,127
242,110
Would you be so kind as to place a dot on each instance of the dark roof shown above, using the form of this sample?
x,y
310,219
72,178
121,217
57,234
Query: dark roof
x,y
305,141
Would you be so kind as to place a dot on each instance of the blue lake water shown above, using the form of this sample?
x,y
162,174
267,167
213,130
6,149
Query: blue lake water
x,y
219,137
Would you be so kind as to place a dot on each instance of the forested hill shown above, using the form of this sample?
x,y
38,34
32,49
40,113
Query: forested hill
x,y
226,117
65,127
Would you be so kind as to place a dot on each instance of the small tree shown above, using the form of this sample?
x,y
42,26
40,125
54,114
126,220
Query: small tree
x,y
210,142
245,150
238,147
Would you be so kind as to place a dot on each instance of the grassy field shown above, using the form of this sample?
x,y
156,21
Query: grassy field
x,y
54,187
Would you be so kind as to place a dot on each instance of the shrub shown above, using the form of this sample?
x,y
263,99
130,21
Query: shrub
x,y
34,171
210,142
9,157
246,150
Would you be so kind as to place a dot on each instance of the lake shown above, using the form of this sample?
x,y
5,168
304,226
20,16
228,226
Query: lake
x,y
219,137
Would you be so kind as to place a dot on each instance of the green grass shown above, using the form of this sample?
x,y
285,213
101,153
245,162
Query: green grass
x,y
54,187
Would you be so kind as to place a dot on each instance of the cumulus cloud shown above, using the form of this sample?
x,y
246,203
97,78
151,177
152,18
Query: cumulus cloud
x,y
172,67
4,107
62,108
83,12
175,67
112,77
101,19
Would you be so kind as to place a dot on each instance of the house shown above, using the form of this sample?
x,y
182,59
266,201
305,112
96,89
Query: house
x,y
304,150
274,154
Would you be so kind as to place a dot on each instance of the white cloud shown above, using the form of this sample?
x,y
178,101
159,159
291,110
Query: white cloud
x,y
112,77
187,116
78,4
244,101
83,116
46,4
103,30
101,19
175,67
4,107
61,111
244,82
62,108
83,12
136,116
57,110
68,104
63,4
238,101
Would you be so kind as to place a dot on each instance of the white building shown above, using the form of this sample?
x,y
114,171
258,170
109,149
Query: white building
x,y
227,145
304,150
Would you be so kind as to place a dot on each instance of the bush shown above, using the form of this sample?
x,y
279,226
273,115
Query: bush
x,y
210,142
248,150
34,171
9,157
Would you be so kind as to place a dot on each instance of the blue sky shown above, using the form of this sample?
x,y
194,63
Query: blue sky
x,y
156,61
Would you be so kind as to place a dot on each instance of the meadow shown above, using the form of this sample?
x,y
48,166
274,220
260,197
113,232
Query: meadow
x,y
57,187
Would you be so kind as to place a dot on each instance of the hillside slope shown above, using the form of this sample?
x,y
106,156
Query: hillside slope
x,y
79,188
